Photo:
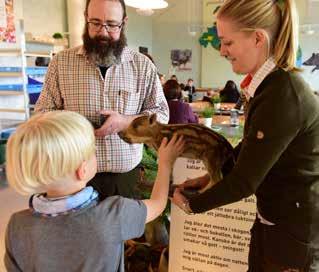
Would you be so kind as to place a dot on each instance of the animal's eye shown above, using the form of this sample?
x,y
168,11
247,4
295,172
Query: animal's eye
x,y
134,125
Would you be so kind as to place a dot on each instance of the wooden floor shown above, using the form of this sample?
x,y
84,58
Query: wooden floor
x,y
10,202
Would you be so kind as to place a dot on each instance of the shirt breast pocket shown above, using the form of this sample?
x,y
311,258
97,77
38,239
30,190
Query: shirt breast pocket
x,y
129,99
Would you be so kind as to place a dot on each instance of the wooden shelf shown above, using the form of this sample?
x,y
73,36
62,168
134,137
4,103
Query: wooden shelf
x,y
10,52
6,93
38,54
12,110
40,42
10,94
10,74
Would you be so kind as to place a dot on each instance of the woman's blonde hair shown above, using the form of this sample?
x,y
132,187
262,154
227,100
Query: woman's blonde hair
x,y
278,18
47,147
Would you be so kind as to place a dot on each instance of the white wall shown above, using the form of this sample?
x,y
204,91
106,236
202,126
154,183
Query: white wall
x,y
216,70
170,31
44,17
76,21
66,14
309,43
166,30
139,30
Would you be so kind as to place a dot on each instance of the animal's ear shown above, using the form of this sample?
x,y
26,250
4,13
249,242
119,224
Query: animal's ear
x,y
152,119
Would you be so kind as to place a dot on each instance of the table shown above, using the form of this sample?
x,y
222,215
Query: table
x,y
221,125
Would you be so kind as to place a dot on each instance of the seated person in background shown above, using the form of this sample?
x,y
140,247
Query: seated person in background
x,y
53,157
230,93
162,79
174,77
179,111
190,88
209,96
184,95
42,61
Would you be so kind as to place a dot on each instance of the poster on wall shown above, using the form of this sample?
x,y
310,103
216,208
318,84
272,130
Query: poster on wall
x,y
181,59
310,61
3,15
7,25
313,61
214,241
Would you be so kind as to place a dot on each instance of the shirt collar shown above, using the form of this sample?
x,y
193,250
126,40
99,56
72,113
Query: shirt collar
x,y
126,56
51,207
250,88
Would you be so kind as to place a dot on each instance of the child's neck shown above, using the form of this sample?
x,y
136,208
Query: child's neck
x,y
65,187
59,193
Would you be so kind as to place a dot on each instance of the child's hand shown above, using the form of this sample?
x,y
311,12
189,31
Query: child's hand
x,y
170,151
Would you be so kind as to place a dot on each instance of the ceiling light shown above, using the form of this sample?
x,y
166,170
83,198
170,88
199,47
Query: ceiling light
x,y
146,4
145,12
309,29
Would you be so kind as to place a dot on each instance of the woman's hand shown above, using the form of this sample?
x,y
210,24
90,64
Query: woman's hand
x,y
180,197
181,201
198,183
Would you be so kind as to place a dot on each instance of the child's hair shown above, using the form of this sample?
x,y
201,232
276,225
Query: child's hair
x,y
278,18
47,147
172,89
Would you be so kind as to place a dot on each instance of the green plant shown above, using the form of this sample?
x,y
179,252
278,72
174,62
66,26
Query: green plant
x,y
208,112
57,35
149,163
150,168
215,99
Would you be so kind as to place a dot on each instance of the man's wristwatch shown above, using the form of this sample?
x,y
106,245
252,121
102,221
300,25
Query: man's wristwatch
x,y
187,209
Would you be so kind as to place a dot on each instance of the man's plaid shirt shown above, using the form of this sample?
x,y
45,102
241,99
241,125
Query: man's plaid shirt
x,y
132,87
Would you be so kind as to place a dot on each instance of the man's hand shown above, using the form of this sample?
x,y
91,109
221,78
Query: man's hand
x,y
115,122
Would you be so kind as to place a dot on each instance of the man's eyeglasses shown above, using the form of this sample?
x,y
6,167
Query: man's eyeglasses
x,y
97,27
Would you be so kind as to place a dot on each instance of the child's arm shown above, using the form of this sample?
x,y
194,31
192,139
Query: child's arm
x,y
167,153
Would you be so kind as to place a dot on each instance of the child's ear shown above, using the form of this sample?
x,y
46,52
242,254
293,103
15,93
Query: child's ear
x,y
80,172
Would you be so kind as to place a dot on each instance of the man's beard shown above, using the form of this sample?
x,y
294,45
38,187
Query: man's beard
x,y
102,50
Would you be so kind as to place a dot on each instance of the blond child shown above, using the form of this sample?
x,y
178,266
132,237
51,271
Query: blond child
x,y
66,228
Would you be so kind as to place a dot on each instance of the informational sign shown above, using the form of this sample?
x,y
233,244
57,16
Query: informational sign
x,y
214,241
7,24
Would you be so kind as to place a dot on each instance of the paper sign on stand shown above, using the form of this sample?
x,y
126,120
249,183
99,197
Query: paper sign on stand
x,y
214,241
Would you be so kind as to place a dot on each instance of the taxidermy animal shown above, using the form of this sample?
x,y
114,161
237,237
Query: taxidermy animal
x,y
200,142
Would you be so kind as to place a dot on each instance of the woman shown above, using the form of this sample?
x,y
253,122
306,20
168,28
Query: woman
x,y
230,93
278,159
179,111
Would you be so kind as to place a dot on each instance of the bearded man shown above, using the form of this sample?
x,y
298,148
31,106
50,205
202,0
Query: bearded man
x,y
103,77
